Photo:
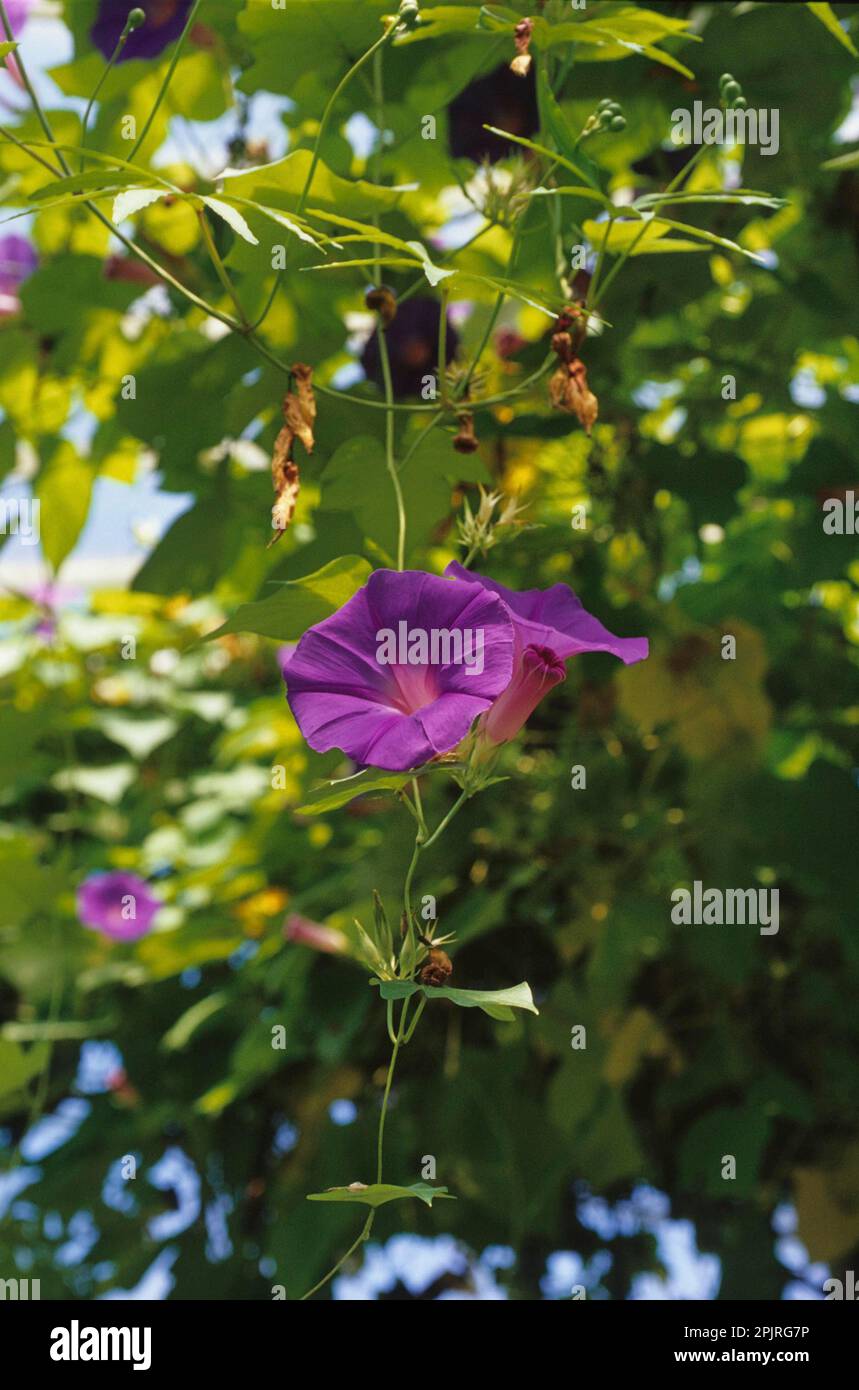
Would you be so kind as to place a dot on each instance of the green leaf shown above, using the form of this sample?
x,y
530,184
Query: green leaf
x,y
843,161
18,1066
134,200
828,17
379,1193
94,181
333,795
300,603
187,1024
497,1003
7,47
443,20
544,150
281,184
233,219
627,235
746,196
574,191
64,489
552,117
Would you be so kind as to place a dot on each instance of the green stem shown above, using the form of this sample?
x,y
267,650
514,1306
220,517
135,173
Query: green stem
x,y
221,269
168,77
314,160
420,282
120,44
595,280
390,460
493,317
403,1035
368,1226
457,806
19,62
679,178
414,1023
380,1137
442,350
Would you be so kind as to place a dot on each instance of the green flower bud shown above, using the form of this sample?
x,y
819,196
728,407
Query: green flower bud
x,y
740,101
725,78
136,17
731,91
617,123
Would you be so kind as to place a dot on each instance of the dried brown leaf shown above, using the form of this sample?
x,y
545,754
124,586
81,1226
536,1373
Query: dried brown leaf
x,y
299,413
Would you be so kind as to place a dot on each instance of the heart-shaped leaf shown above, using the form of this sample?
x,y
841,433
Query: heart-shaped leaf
x,y
299,603
379,1193
497,1003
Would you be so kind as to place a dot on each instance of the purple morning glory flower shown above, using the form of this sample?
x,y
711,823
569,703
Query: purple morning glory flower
x,y
550,625
400,672
118,904
18,259
412,340
165,20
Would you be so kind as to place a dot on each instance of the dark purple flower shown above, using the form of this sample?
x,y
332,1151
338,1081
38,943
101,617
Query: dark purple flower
x,y
502,99
165,20
412,340
550,625
18,259
118,904
400,672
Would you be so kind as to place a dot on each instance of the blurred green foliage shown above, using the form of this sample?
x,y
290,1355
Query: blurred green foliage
x,y
703,519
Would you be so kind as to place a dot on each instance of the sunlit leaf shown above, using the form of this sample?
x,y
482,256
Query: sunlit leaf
x,y
377,1194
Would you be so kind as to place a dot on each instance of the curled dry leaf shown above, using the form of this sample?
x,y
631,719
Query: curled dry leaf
x,y
521,64
299,414
568,384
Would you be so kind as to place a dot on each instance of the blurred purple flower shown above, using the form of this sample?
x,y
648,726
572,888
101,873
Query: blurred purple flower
x,y
165,20
17,11
309,933
412,340
18,259
117,904
550,625
397,714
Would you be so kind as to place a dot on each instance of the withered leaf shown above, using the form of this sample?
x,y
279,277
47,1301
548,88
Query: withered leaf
x,y
521,64
299,414
569,390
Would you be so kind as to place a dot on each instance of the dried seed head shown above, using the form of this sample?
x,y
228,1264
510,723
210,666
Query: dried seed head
x,y
437,970
383,302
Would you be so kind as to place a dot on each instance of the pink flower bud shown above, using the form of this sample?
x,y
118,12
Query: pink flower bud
x,y
538,671
308,933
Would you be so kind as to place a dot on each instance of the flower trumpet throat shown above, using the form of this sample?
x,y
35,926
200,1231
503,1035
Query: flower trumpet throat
x,y
538,671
